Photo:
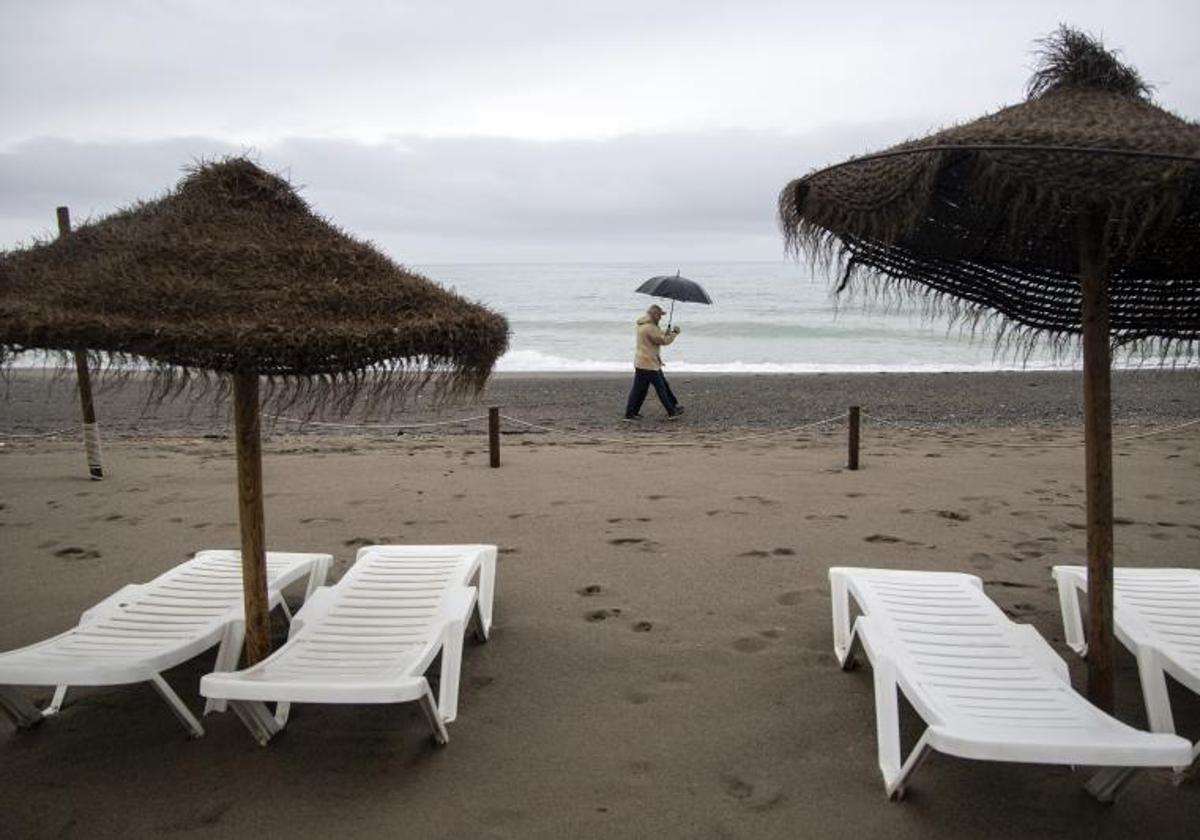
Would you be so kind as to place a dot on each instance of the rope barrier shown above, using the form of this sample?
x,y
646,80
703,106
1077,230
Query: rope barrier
x,y
701,442
709,441
302,422
1047,445
54,433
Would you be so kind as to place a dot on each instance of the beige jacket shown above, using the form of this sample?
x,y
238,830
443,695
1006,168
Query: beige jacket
x,y
649,338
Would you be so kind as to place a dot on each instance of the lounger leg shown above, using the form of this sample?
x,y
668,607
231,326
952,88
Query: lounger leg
x,y
56,702
887,732
257,719
1068,602
181,711
1107,784
840,596
17,708
487,594
915,759
228,655
282,710
429,707
1154,693
452,648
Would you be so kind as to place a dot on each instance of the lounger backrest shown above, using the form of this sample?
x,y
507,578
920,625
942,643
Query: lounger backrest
x,y
1165,603
466,558
385,612
192,601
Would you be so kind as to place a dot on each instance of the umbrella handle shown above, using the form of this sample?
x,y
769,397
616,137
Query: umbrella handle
x,y
672,315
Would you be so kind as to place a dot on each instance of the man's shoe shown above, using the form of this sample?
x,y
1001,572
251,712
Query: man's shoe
x,y
632,419
674,415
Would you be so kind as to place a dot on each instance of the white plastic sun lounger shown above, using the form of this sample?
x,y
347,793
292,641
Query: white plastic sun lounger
x,y
1156,615
988,688
145,629
371,638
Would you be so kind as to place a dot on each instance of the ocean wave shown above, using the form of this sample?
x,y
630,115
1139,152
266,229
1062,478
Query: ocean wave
x,y
534,361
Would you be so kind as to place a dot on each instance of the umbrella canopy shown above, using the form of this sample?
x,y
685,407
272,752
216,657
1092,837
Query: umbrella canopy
x,y
675,288
232,273
1074,213
984,216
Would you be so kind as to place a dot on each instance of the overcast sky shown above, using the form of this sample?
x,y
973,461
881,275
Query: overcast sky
x,y
510,131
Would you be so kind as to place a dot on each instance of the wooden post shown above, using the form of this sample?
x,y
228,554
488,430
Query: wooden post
x,y
91,433
250,512
1097,404
494,435
854,415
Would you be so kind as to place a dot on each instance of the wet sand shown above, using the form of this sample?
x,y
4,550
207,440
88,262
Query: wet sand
x,y
662,658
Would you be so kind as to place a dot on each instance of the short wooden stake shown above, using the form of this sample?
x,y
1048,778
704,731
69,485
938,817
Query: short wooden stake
x,y
494,435
854,422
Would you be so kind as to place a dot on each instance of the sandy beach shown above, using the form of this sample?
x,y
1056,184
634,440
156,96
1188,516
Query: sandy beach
x,y
661,664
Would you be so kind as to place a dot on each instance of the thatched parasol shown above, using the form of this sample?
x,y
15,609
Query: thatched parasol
x,y
1075,213
232,277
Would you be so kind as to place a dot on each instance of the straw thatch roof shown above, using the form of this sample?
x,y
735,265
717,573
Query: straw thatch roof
x,y
233,272
982,218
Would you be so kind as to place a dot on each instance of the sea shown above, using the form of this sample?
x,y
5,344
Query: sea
x,y
766,317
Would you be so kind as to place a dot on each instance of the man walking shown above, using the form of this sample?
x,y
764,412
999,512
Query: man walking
x,y
647,365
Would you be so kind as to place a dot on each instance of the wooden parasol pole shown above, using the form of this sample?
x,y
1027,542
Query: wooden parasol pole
x,y
91,432
1097,404
250,512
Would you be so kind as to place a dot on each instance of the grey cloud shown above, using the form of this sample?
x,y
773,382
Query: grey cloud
x,y
464,199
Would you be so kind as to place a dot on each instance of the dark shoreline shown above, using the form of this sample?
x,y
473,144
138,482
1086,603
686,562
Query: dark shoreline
x,y
37,402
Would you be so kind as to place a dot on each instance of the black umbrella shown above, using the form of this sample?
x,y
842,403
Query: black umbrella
x,y
674,289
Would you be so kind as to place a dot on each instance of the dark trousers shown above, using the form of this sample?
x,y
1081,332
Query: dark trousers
x,y
642,380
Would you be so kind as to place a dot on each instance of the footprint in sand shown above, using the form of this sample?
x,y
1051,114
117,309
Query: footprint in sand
x,y
627,540
882,538
784,552
762,500
954,515
753,794
981,561
479,681
319,520
589,590
1012,584
603,614
792,597
508,549
637,697
642,627
750,644
359,542
755,552
74,552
